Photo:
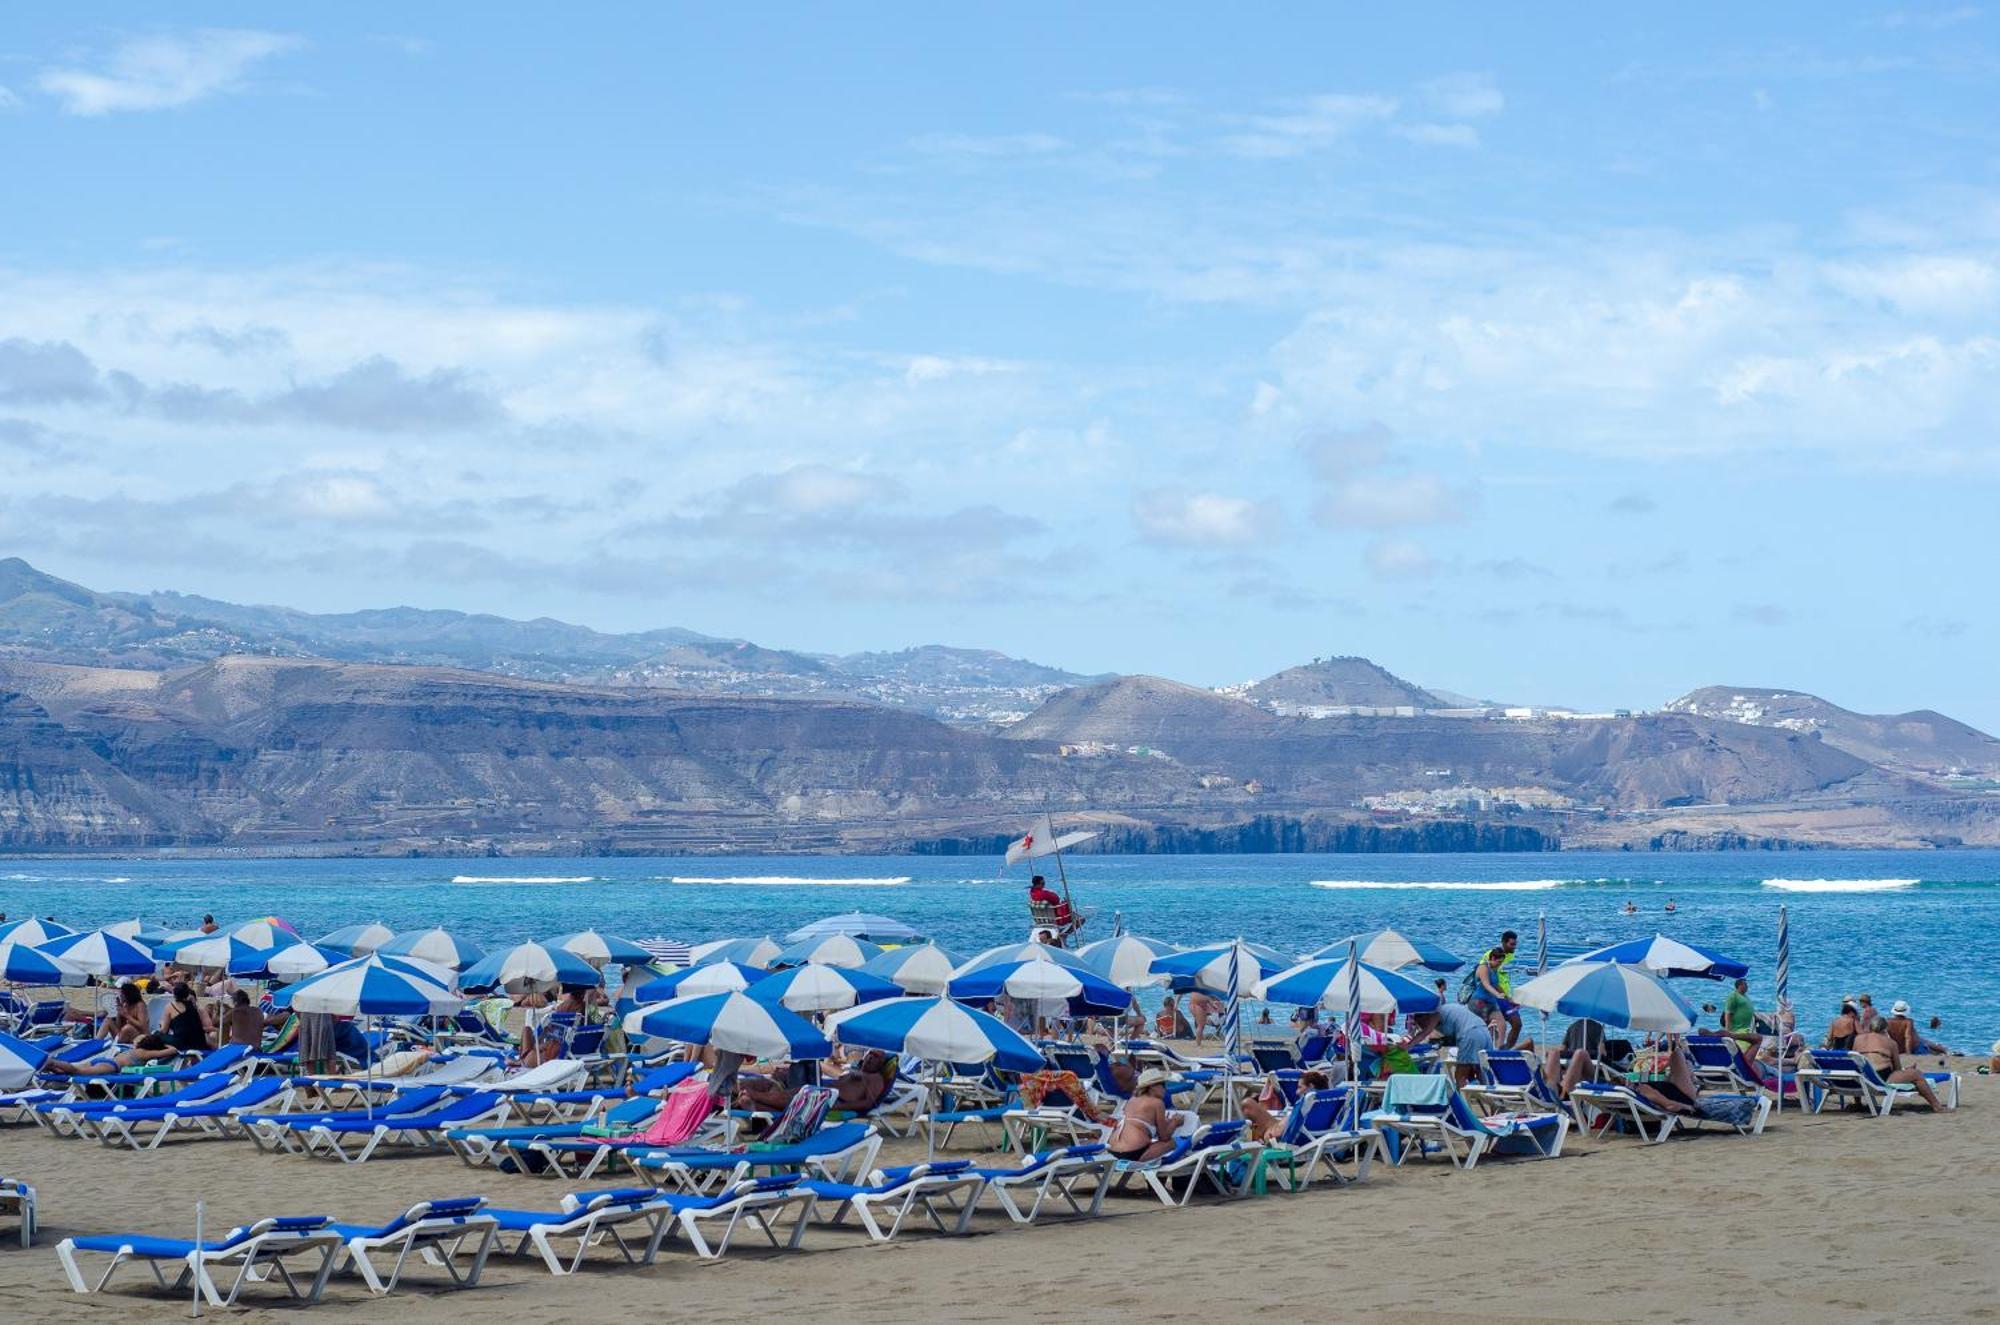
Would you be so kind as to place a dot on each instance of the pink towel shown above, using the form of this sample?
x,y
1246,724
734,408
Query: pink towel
x,y
686,1108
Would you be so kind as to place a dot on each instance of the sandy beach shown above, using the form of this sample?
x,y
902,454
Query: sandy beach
x,y
1839,1217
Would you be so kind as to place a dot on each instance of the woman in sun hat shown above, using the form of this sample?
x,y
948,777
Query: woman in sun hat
x,y
1146,1127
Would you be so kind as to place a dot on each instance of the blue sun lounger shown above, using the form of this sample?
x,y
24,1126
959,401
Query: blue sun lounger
x,y
1204,1157
836,1154
591,1219
257,1252
144,1126
230,1058
1057,1176
946,1195
1511,1080
353,1140
1846,1075
435,1232
1316,1136
487,1145
287,1131
1426,1115
18,1199
1600,1106
69,1117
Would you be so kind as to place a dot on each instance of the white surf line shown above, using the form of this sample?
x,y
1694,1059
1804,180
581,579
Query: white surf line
x,y
1840,885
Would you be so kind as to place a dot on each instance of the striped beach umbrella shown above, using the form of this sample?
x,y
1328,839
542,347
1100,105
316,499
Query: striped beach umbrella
x,y
1232,1007
1781,989
103,954
1352,1031
667,952
1024,952
358,940
602,950
1616,995
368,987
1208,966
265,932
1335,985
217,952
757,952
1126,960
438,946
1669,957
25,964
19,1061
936,1029
32,931
295,961
732,1022
856,924
1541,943
922,968
523,965
817,988
697,981
1086,992
829,950
1391,948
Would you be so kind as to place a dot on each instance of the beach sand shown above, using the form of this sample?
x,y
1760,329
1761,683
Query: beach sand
x,y
1835,1218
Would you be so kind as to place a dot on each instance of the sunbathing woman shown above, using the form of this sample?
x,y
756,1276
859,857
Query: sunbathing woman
x,y
150,1049
1265,1112
1145,1127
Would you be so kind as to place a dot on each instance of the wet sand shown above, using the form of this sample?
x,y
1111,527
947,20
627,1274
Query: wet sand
x,y
1835,1218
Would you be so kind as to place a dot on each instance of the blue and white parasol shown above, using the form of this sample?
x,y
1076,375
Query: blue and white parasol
x,y
922,968
1208,966
1616,995
817,988
1670,958
1324,984
856,924
1126,960
936,1029
829,950
358,940
515,969
733,1022
1392,949
696,981
1087,993
103,954
438,946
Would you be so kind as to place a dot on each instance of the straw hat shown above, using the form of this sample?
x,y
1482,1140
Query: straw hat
x,y
1152,1077
1899,1009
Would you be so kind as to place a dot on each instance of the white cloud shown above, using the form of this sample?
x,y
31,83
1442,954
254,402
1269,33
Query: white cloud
x,y
1441,135
811,490
1181,518
161,72
1466,96
9,100
1929,284
1389,501
1398,559
1307,125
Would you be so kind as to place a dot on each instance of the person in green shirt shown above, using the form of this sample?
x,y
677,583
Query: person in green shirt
x,y
1739,1018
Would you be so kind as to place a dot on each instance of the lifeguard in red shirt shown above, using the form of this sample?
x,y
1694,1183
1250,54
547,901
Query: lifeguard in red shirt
x,y
1041,895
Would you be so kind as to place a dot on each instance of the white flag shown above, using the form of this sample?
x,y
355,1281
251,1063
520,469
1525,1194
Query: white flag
x,y
1041,840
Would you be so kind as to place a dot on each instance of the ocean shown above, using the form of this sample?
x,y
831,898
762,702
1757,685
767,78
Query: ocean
x,y
1924,926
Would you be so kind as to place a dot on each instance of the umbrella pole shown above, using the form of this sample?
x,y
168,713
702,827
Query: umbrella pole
x,y
199,1269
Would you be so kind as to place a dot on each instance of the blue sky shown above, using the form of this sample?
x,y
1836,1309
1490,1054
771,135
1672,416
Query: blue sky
x,y
1544,357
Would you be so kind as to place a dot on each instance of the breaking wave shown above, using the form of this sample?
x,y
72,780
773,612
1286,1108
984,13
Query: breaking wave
x,y
788,880
1839,885
524,878
1451,885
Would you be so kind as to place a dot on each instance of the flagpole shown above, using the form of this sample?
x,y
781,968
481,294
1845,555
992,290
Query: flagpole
x,y
1781,989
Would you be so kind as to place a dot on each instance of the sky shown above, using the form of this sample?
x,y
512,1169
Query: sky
x,y
1552,356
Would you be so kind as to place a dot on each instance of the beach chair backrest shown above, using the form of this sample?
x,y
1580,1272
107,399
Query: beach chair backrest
x,y
1273,1057
1506,1067
1316,1111
1071,1058
587,1042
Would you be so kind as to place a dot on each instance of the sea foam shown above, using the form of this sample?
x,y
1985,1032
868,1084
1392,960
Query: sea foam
x,y
1839,885
787,881
1450,885
524,878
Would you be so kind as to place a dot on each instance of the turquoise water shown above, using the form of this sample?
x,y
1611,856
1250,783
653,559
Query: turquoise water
x,y
1918,925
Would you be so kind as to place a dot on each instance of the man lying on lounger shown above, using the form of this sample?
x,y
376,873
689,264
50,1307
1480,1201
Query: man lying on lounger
x,y
150,1049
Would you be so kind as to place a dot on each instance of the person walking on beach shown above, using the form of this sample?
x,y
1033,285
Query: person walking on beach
x,y
1494,986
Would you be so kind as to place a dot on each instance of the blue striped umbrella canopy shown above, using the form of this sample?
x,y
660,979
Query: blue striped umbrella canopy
x,y
103,954
358,940
1391,948
829,950
694,981
1024,952
439,946
297,960
265,932
32,931
216,952
602,950
1324,984
25,964
1608,992
19,1061
369,987
922,968
524,964
1669,957
1126,960
937,1029
856,924
1209,966
758,952
1086,992
733,1022
1782,987
817,988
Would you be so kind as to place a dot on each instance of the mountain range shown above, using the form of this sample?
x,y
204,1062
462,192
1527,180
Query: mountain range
x,y
164,720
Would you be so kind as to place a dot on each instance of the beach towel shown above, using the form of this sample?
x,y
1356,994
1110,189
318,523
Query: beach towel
x,y
1735,1110
803,1117
687,1107
1038,1086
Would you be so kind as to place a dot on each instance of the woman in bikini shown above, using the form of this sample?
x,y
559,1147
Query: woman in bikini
x,y
1145,1128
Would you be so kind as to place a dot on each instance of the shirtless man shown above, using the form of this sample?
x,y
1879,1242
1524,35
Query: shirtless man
x,y
862,1086
1146,1125
1873,1043
1203,1008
